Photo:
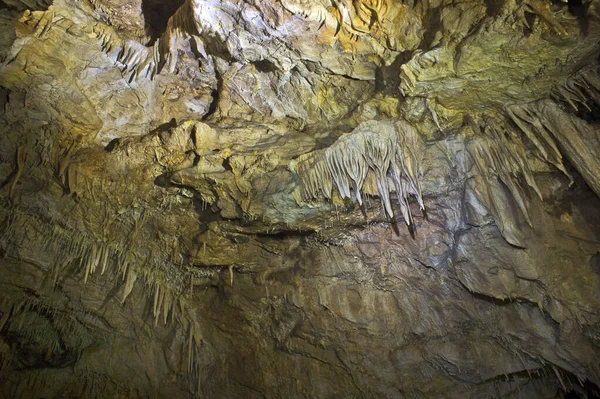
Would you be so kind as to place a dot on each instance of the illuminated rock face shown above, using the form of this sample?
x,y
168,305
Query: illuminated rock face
x,y
299,198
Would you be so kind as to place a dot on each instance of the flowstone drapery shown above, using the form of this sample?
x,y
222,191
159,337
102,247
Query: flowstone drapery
x,y
376,153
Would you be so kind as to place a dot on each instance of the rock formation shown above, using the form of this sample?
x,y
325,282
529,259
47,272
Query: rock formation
x,y
299,198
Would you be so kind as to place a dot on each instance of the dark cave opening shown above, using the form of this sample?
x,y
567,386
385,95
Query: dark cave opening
x,y
578,388
157,13
387,78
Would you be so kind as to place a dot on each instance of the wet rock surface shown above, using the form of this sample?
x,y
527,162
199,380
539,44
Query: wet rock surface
x,y
299,199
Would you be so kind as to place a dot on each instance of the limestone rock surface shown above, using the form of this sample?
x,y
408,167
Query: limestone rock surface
x,y
299,199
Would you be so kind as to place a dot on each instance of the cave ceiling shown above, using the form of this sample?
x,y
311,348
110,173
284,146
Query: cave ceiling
x,y
299,198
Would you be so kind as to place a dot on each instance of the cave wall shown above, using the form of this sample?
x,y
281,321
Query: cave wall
x,y
299,199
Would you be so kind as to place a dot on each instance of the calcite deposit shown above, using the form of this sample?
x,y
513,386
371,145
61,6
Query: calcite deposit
x,y
299,199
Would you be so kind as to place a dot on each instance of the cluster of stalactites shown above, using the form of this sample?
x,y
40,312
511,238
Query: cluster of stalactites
x,y
529,122
137,60
146,62
167,303
581,88
542,9
376,151
499,153
557,132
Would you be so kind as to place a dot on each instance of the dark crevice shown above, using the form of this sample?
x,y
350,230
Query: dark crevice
x,y
215,94
351,78
164,127
497,301
156,15
529,374
112,145
432,22
493,7
36,5
595,263
4,98
284,234
570,385
31,354
205,211
227,165
215,100
265,66
579,10
387,78
530,20
587,110
577,387
162,131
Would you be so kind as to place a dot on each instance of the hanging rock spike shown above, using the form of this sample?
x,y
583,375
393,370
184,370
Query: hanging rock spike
x,y
383,149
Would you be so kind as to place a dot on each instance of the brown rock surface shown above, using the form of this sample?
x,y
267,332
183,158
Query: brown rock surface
x,y
299,198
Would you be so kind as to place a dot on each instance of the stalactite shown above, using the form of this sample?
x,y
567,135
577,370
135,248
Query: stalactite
x,y
93,254
140,61
21,156
181,29
137,60
542,9
129,282
159,302
550,127
529,123
352,18
73,180
105,258
382,149
580,88
552,131
316,12
501,160
578,140
190,346
167,304
108,38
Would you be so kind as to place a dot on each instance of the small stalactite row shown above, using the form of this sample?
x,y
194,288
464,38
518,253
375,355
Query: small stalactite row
x,y
139,61
98,255
181,29
541,8
579,89
499,151
376,151
166,303
557,130
499,156
528,122
136,59
194,359
353,18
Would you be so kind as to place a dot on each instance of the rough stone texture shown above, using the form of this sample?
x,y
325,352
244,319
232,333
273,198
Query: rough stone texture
x,y
248,198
